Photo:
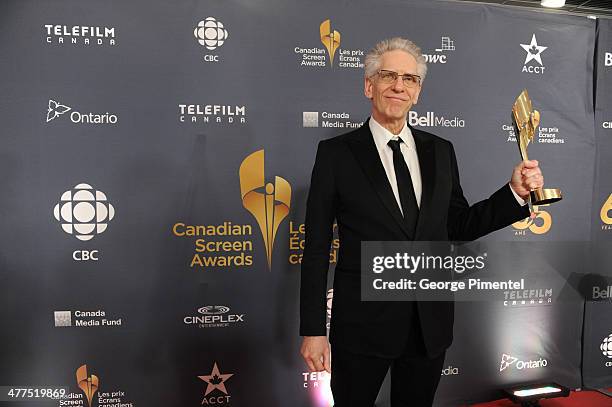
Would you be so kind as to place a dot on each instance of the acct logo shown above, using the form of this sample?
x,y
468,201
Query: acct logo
x,y
534,54
84,212
56,109
507,361
210,33
439,56
431,119
216,392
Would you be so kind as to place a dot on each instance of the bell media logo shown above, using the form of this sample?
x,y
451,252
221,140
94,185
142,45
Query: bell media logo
x,y
608,59
538,223
534,54
216,392
84,212
268,202
211,34
56,109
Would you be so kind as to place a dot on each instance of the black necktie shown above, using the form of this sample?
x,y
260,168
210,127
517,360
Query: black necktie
x,y
410,208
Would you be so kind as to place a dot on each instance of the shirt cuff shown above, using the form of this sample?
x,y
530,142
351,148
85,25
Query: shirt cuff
x,y
520,200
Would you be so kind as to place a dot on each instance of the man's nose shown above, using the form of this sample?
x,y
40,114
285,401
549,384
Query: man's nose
x,y
398,85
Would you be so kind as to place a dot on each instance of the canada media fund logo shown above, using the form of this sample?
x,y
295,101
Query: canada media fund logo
x,y
224,245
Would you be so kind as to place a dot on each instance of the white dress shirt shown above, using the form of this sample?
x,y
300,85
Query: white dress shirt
x,y
382,137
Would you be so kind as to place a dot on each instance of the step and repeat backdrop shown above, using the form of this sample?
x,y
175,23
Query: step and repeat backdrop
x,y
156,158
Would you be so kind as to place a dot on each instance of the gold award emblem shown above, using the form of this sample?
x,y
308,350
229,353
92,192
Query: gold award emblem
x,y
329,38
268,203
526,122
89,384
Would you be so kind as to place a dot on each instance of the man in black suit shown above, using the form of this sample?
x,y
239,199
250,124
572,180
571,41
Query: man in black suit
x,y
388,181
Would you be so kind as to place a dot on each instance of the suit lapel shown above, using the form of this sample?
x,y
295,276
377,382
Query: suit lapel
x,y
364,149
426,154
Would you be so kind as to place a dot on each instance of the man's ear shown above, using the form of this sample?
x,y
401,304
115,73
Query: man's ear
x,y
367,87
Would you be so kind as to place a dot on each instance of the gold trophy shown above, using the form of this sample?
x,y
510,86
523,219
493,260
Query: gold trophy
x,y
526,121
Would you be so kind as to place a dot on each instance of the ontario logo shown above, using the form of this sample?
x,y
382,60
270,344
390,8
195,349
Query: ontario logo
x,y
56,109
533,59
211,34
507,361
331,38
538,223
216,393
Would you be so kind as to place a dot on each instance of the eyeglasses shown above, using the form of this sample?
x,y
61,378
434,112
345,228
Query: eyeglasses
x,y
409,80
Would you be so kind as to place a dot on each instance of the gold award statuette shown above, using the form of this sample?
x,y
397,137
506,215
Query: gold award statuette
x,y
526,121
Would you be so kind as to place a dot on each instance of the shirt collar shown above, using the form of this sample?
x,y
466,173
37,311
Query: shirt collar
x,y
382,136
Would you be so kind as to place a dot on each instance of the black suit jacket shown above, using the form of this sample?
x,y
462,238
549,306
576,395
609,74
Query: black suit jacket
x,y
349,184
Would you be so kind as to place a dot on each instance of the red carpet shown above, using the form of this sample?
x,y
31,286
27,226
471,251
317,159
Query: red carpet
x,y
576,399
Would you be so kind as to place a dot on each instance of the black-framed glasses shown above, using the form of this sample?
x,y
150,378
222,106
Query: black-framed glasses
x,y
409,80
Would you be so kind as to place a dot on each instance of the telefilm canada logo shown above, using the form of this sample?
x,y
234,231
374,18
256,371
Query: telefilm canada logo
x,y
508,362
216,393
441,54
214,316
79,35
57,110
332,54
533,59
211,34
195,113
84,213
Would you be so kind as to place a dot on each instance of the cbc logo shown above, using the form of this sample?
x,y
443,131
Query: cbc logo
x,y
210,33
538,225
606,346
84,212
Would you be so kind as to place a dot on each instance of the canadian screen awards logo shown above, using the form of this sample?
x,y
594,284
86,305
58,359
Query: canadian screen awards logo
x,y
84,213
216,392
331,39
538,223
211,34
268,202
533,60
606,349
604,214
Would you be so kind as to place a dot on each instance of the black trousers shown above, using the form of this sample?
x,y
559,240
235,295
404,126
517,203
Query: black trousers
x,y
356,379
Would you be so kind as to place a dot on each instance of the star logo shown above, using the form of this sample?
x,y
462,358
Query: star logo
x,y
215,380
55,110
533,51
506,361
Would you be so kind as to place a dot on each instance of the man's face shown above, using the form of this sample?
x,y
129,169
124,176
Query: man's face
x,y
391,102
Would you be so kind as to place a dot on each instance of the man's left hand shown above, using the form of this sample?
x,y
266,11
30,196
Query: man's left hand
x,y
526,177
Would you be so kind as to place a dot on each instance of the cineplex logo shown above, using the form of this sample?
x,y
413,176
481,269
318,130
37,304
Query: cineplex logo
x,y
56,109
606,349
211,34
439,55
314,56
79,35
216,393
533,59
214,316
431,119
508,361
